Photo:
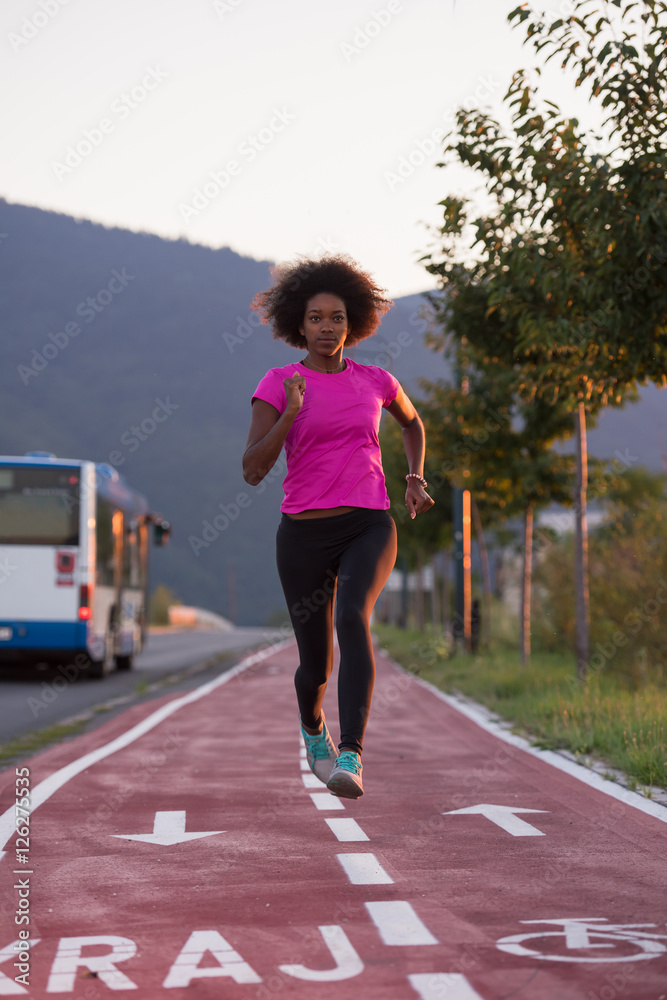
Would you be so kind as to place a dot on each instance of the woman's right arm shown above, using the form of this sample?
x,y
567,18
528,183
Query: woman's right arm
x,y
268,430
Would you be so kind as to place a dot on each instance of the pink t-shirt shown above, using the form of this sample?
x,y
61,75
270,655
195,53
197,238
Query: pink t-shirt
x,y
332,448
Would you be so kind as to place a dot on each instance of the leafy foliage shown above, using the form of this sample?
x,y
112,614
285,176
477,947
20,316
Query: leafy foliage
x,y
429,532
559,289
628,554
574,246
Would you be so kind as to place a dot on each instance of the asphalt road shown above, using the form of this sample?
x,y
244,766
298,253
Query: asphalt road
x,y
34,699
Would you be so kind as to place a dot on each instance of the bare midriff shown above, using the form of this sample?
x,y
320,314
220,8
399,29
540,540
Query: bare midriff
x,y
327,512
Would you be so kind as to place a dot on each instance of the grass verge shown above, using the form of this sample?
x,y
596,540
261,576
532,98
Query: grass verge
x,y
31,743
544,700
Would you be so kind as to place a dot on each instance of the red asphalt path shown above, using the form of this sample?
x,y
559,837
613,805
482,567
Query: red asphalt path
x,y
295,894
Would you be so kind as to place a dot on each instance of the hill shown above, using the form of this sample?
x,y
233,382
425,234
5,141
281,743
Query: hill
x,y
128,348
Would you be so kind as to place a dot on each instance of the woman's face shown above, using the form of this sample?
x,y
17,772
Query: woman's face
x,y
325,323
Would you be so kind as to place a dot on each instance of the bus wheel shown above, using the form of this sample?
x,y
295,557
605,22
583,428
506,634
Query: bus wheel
x,y
124,663
98,669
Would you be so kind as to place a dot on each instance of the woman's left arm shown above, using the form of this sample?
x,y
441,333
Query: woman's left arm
x,y
417,499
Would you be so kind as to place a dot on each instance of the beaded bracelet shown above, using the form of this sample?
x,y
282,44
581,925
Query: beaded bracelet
x,y
415,475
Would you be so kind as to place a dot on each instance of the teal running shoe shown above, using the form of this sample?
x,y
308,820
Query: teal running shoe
x,y
345,780
321,752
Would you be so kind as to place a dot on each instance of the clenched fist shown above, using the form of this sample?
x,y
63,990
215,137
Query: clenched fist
x,y
295,388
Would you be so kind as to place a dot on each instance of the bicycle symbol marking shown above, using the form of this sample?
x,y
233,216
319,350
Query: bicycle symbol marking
x,y
580,933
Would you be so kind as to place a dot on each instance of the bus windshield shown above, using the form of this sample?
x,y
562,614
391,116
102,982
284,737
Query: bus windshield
x,y
39,506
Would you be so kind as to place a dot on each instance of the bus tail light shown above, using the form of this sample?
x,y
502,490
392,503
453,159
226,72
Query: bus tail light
x,y
85,594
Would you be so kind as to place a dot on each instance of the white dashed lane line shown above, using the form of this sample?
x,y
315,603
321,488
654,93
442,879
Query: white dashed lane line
x,y
396,921
346,829
325,800
398,924
312,781
364,869
436,985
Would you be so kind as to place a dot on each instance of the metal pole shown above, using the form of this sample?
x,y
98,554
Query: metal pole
x,y
467,589
459,595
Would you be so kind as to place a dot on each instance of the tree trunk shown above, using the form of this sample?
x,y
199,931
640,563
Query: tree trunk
x,y
419,592
581,558
499,589
527,583
435,596
403,616
486,575
446,592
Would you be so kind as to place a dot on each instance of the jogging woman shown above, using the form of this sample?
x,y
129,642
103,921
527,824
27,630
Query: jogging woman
x,y
336,541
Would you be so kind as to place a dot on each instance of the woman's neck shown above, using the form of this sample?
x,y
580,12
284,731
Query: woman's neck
x,y
330,365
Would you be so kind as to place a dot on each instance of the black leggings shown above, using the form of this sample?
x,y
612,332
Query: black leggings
x,y
347,557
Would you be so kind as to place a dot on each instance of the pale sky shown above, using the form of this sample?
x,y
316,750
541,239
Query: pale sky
x,y
308,112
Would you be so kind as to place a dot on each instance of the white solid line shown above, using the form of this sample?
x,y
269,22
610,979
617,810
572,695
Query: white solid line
x,y
398,923
325,800
436,985
364,869
345,829
46,788
480,715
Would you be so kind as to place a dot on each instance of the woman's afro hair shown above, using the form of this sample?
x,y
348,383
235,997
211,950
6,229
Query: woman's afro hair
x,y
283,306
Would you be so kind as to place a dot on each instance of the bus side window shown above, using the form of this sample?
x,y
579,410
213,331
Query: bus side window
x,y
105,544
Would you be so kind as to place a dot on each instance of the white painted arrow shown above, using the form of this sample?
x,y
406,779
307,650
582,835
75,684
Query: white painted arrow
x,y
168,828
504,817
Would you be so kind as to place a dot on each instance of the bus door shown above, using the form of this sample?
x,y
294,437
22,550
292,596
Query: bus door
x,y
108,576
132,604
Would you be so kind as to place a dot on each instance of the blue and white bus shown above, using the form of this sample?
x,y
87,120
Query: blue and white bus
x,y
74,540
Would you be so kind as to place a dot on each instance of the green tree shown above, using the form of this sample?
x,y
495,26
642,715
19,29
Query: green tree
x,y
628,583
572,245
161,600
419,540
493,442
